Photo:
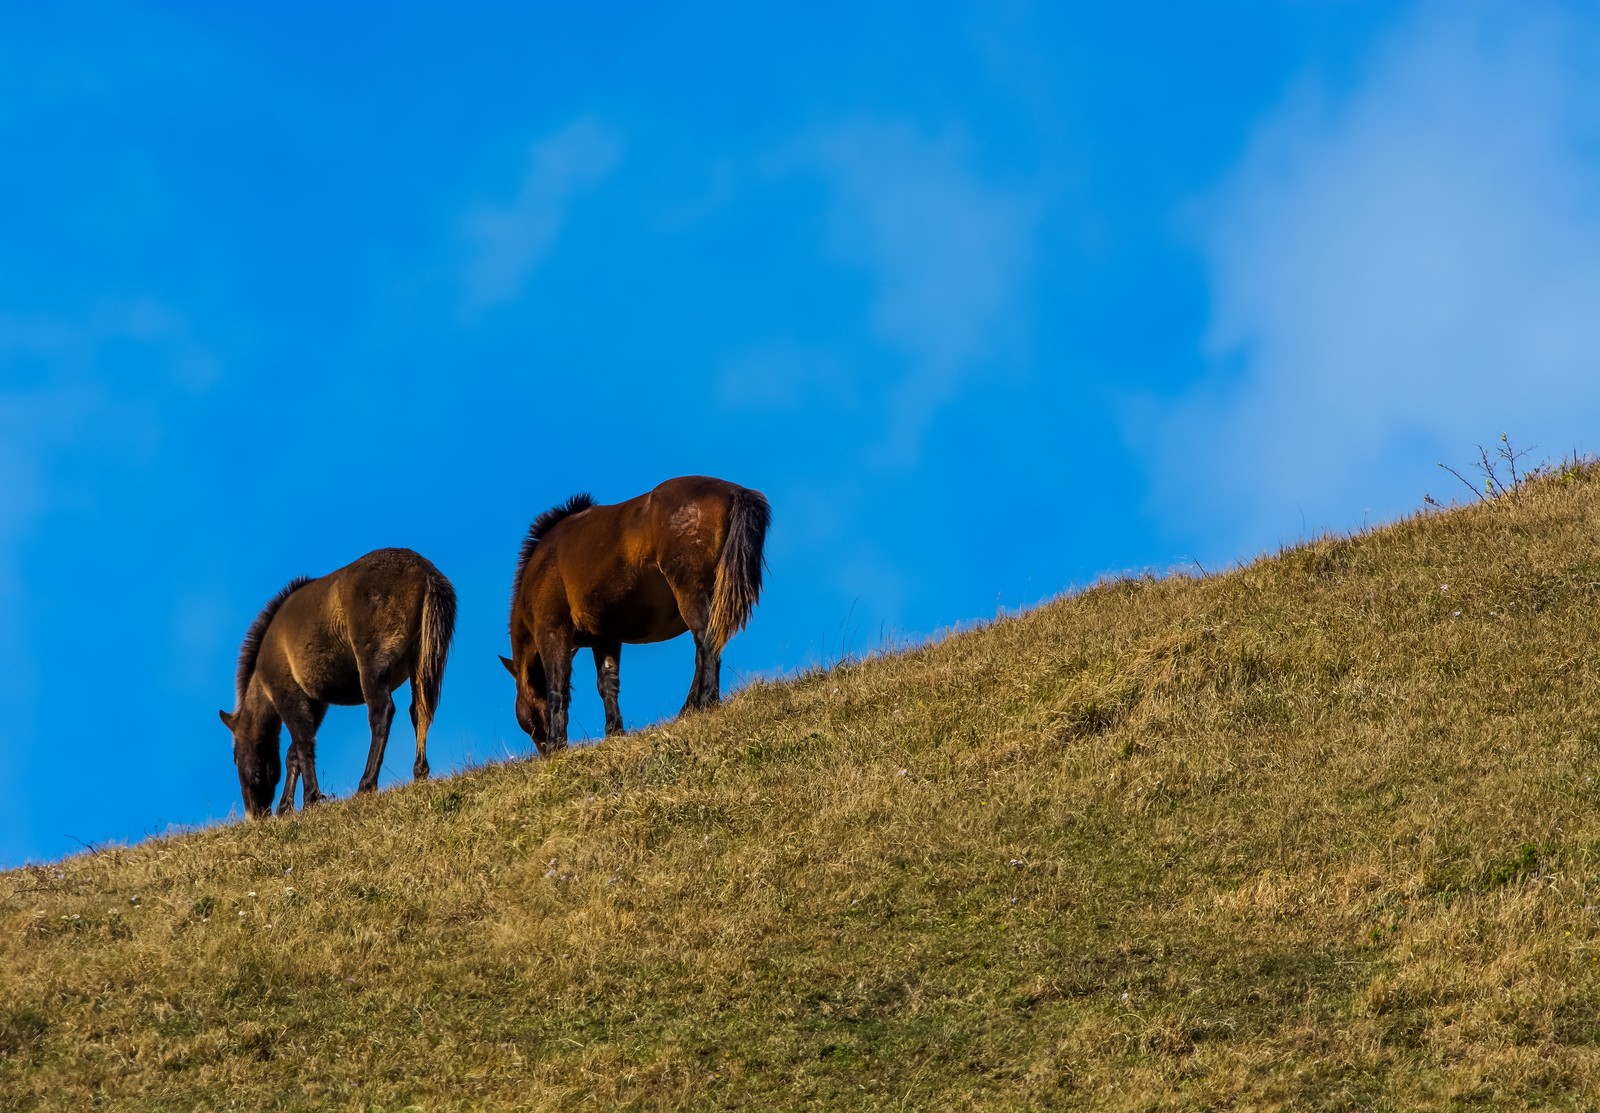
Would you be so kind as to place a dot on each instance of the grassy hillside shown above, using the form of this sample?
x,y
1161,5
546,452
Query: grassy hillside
x,y
1321,833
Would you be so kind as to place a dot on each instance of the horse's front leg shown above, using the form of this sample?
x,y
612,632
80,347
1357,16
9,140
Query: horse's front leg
x,y
557,657
302,717
291,775
608,675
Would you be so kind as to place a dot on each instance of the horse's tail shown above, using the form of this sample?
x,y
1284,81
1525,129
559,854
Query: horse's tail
x,y
739,568
438,627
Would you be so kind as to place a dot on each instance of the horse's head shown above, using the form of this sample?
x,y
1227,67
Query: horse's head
x,y
533,703
255,755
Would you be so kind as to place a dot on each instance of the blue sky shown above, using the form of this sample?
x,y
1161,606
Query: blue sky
x,y
990,299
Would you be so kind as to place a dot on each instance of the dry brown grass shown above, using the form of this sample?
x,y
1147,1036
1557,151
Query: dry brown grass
x,y
1317,834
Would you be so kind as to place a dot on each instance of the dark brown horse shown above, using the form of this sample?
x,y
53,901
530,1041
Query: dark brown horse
x,y
351,637
686,556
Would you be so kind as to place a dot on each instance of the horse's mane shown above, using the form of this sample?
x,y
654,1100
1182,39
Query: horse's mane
x,y
251,649
541,526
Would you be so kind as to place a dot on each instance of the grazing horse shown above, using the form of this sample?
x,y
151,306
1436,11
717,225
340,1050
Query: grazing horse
x,y
352,636
685,556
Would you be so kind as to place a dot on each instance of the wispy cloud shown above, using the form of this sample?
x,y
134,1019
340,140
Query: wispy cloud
x,y
57,387
59,397
949,249
508,241
1399,270
781,377
32,424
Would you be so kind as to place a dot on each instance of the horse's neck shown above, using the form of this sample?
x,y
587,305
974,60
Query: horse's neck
x,y
256,710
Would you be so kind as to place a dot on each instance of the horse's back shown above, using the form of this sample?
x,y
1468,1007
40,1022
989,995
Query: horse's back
x,y
608,571
371,609
597,573
391,569
685,488
688,524
385,580
380,599
626,571
707,493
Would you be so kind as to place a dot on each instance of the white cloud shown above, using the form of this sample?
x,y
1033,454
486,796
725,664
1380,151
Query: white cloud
x,y
1399,272
508,241
950,252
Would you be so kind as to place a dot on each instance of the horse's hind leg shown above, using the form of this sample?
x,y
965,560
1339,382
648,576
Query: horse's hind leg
x,y
421,720
706,689
608,674
380,715
711,683
694,604
693,589
302,717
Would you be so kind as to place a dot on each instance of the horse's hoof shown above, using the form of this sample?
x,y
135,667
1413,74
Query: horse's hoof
x,y
419,771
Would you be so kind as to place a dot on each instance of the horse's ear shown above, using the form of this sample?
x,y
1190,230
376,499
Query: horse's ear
x,y
227,719
511,668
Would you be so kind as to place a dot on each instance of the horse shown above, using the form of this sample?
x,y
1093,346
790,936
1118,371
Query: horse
x,y
684,556
352,636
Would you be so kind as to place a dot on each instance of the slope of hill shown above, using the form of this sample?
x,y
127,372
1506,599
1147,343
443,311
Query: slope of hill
x,y
1318,833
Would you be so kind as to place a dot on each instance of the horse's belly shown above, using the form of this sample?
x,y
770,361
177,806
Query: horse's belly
x,y
328,674
343,695
648,613
657,628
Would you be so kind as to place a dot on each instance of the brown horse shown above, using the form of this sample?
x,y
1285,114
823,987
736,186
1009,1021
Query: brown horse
x,y
685,556
353,636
